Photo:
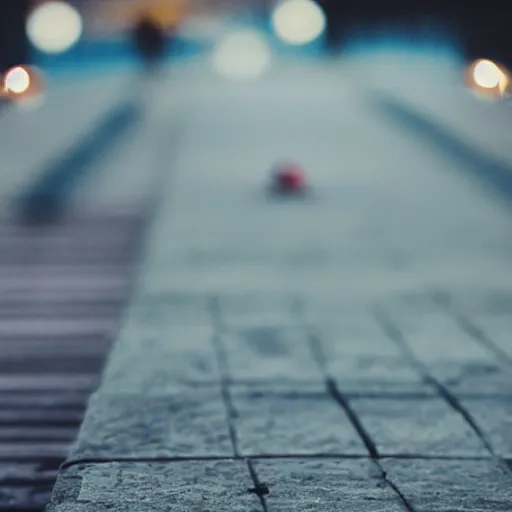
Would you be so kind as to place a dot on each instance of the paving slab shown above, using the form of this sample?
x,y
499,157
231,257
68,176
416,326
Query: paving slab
x,y
417,426
449,354
452,486
326,486
361,358
497,327
243,311
184,486
494,416
289,422
146,360
277,353
188,422
164,311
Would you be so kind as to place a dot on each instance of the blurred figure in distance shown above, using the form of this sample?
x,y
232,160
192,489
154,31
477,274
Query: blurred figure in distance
x,y
150,43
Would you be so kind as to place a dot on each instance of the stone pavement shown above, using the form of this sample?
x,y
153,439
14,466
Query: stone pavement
x,y
258,409
347,352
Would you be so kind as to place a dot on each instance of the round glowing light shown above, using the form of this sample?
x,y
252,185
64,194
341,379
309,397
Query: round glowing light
x,y
487,74
17,80
54,27
299,22
23,85
242,55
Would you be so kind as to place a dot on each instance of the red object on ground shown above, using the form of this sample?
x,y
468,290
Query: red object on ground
x,y
290,178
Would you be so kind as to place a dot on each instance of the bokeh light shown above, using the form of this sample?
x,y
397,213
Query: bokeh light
x,y
16,80
487,74
299,22
23,85
488,78
242,55
54,27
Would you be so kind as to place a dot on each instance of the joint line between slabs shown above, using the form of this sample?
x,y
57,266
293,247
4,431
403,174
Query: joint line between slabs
x,y
260,489
316,349
392,331
296,456
222,361
445,303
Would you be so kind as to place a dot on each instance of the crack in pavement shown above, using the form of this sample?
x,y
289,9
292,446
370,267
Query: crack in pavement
x,y
222,361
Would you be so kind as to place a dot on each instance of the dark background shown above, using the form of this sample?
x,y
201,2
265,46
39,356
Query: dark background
x,y
478,28
13,42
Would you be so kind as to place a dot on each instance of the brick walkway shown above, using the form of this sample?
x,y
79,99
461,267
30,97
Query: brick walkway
x,y
345,353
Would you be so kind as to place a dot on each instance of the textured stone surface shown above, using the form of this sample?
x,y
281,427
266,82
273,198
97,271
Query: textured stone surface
x,y
494,416
270,353
325,486
375,388
417,426
498,326
435,336
452,486
186,423
159,313
359,355
476,378
176,487
154,362
292,422
449,354
240,311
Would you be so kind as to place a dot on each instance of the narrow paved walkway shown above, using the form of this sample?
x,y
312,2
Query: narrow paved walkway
x,y
346,352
